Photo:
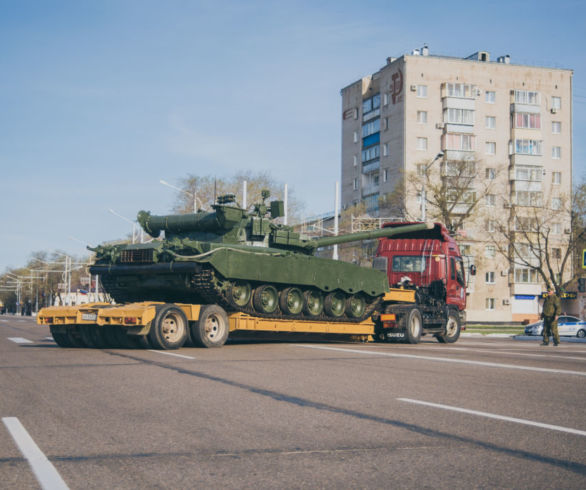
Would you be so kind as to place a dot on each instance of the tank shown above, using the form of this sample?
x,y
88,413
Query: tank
x,y
243,261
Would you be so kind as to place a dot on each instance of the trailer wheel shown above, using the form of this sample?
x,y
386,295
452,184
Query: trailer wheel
x,y
212,327
413,325
169,328
61,339
453,327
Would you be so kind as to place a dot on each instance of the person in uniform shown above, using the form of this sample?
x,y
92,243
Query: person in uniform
x,y
552,307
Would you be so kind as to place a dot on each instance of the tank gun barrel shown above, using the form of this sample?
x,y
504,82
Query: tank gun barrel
x,y
367,235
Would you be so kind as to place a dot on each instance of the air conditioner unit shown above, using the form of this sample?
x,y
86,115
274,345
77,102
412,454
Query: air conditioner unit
x,y
507,205
440,125
504,273
506,302
413,88
567,231
554,110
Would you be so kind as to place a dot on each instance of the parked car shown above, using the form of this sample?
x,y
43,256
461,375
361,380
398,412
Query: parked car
x,y
568,326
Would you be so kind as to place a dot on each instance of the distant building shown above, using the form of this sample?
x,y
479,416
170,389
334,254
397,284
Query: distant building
x,y
515,120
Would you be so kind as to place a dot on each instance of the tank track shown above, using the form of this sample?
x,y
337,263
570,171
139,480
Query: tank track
x,y
206,283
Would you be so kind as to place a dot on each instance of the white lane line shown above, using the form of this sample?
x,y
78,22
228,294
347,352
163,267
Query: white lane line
x,y
45,472
170,354
447,359
505,353
20,340
497,417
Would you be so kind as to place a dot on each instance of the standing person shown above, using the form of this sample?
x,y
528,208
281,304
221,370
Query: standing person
x,y
552,307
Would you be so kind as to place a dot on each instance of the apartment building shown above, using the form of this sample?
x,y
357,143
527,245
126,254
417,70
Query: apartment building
x,y
422,113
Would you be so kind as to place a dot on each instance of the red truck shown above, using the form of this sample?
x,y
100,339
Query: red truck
x,y
430,263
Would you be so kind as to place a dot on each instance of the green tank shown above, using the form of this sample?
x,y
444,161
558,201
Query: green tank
x,y
242,261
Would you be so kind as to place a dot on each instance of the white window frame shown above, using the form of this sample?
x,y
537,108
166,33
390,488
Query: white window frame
x,y
556,152
490,147
422,117
421,143
556,102
490,304
490,96
422,91
489,277
490,122
556,178
556,127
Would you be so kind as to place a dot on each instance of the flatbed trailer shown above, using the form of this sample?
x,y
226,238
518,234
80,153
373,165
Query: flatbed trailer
x,y
171,325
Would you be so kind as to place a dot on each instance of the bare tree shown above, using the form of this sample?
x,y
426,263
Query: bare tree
x,y
541,237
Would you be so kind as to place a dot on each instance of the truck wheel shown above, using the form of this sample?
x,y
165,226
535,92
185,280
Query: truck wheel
x,y
314,303
169,328
61,339
413,325
212,327
452,332
291,301
335,304
265,299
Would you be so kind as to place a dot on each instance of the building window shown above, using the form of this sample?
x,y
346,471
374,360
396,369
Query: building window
x,y
461,142
490,302
556,152
459,116
490,148
371,104
490,122
556,177
526,275
528,198
370,153
370,128
385,150
385,175
421,169
556,103
489,277
528,173
525,223
491,200
422,143
491,225
460,90
556,127
421,91
489,251
355,136
526,97
556,228
556,253
385,123
490,173
422,117
385,99
355,184
490,97
556,203
528,147
355,160
527,120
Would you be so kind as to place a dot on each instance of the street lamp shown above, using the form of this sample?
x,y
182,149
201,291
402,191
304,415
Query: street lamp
x,y
423,196
133,223
189,193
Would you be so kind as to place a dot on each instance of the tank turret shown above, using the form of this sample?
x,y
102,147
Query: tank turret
x,y
244,261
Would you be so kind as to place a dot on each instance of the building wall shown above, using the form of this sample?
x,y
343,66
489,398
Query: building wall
x,y
398,85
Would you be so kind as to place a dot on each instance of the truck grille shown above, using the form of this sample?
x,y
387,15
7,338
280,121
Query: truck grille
x,y
136,256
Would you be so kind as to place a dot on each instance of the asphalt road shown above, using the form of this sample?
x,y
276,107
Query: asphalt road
x,y
481,413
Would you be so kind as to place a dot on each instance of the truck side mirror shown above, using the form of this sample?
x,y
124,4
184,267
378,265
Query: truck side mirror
x,y
472,270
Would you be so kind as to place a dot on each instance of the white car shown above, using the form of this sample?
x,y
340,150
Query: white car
x,y
568,326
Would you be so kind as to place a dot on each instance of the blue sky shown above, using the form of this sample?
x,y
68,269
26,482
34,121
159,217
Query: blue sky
x,y
101,99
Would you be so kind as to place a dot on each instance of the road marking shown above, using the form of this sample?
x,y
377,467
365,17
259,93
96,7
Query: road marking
x,y
497,417
170,354
447,359
505,352
20,340
45,472
50,338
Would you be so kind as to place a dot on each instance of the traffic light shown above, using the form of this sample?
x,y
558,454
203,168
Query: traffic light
x,y
582,284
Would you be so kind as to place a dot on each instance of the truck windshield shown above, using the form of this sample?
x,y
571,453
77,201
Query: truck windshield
x,y
408,263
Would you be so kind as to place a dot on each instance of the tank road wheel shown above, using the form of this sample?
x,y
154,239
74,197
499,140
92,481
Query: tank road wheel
x,y
335,304
61,339
291,301
413,325
452,332
314,303
265,299
355,306
169,328
212,327
239,293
